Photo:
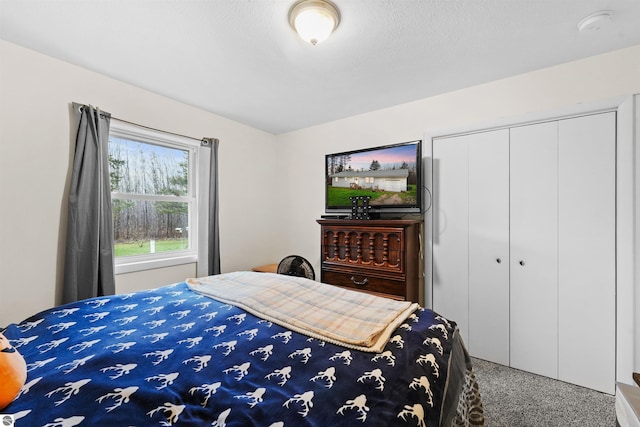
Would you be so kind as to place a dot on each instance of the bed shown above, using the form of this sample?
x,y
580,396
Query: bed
x,y
243,349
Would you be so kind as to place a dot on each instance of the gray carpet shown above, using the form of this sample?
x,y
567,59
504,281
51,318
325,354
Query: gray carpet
x,y
514,398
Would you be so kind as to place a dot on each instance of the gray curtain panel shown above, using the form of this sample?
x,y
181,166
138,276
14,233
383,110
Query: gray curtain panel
x,y
214,228
88,270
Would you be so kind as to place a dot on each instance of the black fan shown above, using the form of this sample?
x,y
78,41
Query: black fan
x,y
294,265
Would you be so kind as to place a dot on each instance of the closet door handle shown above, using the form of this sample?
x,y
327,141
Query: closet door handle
x,y
498,260
521,262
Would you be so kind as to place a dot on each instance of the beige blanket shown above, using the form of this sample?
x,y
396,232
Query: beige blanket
x,y
353,319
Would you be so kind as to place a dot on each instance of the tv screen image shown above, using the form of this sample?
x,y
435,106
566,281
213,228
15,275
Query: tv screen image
x,y
390,175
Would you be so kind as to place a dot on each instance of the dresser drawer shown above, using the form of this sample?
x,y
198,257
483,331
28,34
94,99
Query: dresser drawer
x,y
378,256
365,282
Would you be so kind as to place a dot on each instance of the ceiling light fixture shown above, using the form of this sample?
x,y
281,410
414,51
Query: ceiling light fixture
x,y
314,20
595,21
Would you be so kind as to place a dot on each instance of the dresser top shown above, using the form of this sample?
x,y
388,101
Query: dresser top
x,y
370,222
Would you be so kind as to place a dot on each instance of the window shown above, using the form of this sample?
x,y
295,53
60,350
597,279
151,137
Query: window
x,y
153,197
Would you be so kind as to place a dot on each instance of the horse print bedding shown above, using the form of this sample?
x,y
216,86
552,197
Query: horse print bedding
x,y
172,356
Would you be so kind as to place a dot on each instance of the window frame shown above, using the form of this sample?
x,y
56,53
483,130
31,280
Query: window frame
x,y
130,264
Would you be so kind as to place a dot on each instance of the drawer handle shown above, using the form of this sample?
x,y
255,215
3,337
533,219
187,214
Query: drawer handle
x,y
363,283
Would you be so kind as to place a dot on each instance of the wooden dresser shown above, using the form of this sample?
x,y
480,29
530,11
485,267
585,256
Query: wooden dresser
x,y
382,257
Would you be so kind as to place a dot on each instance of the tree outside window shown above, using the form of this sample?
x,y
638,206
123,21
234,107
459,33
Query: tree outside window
x,y
152,197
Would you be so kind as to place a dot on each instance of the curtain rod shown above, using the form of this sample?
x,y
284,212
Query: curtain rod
x,y
206,141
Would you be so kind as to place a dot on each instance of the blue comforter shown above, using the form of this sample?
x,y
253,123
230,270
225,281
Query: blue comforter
x,y
169,356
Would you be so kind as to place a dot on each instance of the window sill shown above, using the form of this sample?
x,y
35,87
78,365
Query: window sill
x,y
124,267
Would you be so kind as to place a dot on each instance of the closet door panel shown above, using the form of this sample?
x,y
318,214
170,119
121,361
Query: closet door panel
x,y
489,246
586,245
534,261
451,230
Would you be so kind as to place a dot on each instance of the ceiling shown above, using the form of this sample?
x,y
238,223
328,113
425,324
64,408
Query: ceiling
x,y
240,58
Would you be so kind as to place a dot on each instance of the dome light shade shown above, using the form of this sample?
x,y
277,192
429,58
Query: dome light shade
x,y
314,20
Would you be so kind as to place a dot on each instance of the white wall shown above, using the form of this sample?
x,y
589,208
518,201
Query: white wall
x,y
36,148
636,259
532,95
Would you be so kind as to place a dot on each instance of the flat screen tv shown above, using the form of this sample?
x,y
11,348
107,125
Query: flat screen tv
x,y
391,175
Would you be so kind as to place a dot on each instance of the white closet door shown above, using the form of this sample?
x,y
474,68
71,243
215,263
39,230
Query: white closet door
x,y
489,246
534,248
451,230
586,249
